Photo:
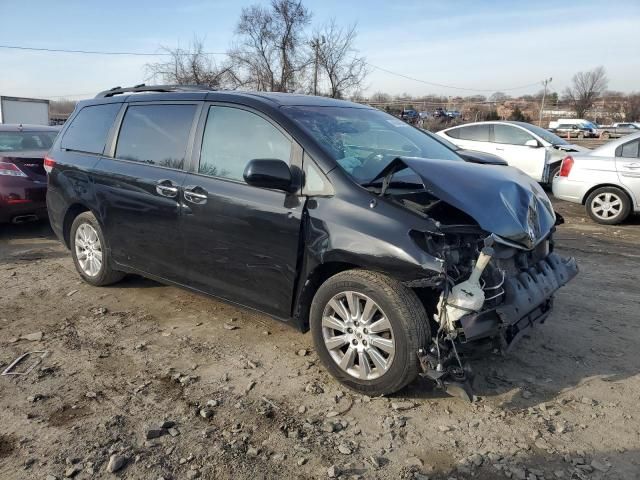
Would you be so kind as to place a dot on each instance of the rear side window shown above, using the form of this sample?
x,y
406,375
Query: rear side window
x,y
629,150
511,135
89,128
455,133
476,133
233,137
156,134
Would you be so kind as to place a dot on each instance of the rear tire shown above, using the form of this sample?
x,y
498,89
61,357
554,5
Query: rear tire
x,y
382,316
608,205
90,252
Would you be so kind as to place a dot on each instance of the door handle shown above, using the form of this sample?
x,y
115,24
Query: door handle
x,y
632,166
499,149
195,194
166,188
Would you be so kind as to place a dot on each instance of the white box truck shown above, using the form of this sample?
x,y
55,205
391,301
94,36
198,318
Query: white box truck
x,y
24,110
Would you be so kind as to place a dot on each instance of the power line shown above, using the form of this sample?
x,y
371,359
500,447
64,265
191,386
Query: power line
x,y
451,86
96,52
149,54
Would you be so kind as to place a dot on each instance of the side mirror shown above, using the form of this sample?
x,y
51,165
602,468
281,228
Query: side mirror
x,y
533,143
268,173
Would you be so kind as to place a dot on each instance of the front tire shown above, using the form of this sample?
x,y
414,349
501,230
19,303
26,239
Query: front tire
x,y
608,205
367,329
89,252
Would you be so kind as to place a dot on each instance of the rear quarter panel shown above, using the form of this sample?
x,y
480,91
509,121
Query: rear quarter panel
x,y
589,172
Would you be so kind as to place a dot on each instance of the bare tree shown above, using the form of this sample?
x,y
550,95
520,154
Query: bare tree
x,y
586,87
269,54
192,66
632,108
339,60
498,97
380,97
61,107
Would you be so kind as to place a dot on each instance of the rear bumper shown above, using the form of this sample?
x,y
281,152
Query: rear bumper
x,y
569,190
22,196
528,301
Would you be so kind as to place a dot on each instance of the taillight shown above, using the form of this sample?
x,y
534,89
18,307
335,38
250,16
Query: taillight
x,y
49,163
7,168
567,163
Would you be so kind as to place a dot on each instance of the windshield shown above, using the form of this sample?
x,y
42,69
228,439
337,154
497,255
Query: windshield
x,y
26,141
364,141
546,135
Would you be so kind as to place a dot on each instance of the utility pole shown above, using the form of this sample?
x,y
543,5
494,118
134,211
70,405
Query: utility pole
x,y
316,43
545,82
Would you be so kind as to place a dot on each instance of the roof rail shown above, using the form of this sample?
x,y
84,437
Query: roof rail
x,y
153,88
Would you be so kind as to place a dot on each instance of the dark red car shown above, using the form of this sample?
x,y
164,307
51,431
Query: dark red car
x,y
23,180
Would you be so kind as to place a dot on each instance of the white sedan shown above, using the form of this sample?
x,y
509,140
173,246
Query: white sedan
x,y
606,180
534,150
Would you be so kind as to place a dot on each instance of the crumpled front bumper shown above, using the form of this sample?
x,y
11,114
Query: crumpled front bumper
x,y
528,300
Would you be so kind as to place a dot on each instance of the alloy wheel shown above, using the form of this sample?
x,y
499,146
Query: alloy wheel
x,y
358,335
606,206
88,249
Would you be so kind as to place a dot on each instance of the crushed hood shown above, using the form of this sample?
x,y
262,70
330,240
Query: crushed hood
x,y
503,200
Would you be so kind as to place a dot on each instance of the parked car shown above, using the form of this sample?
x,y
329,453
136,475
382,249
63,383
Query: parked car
x,y
572,121
335,217
439,112
534,150
23,181
617,130
409,115
472,156
606,181
572,130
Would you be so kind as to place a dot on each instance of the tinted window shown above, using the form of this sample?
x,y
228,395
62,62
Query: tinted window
x,y
233,137
511,135
477,133
156,134
630,149
89,128
25,141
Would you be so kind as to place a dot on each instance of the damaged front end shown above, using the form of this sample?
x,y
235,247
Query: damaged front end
x,y
500,269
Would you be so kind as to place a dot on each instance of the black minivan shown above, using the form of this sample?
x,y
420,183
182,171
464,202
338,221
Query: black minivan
x,y
400,257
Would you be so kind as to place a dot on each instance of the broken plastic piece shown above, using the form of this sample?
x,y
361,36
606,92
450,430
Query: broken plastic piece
x,y
10,369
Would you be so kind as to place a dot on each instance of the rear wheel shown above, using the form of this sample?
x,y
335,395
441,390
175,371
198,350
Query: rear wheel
x,y
89,252
367,329
605,135
608,205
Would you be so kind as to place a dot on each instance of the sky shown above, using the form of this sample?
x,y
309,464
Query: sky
x,y
478,47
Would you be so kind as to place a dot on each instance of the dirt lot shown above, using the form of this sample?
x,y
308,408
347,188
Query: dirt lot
x,y
250,400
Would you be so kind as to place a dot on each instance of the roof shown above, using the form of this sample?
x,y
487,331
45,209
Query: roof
x,y
609,148
273,99
26,127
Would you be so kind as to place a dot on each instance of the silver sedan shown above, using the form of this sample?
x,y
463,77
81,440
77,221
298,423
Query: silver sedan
x,y
606,180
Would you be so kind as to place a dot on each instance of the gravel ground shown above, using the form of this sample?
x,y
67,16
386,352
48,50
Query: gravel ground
x,y
145,381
